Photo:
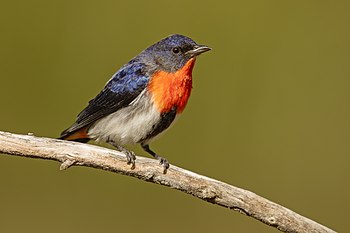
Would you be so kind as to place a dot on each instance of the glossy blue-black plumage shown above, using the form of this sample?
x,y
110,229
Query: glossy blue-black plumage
x,y
133,78
161,55
120,91
128,79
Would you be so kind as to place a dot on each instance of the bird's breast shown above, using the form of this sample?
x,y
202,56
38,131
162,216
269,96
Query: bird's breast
x,y
169,90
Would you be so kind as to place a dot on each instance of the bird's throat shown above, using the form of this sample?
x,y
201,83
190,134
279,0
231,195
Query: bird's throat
x,y
172,90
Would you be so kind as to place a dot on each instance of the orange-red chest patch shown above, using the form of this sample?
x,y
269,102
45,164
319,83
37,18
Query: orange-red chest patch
x,y
172,89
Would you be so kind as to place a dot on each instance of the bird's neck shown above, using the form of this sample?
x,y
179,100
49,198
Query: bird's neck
x,y
171,90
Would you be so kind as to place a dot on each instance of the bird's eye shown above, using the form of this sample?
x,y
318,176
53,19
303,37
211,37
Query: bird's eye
x,y
176,50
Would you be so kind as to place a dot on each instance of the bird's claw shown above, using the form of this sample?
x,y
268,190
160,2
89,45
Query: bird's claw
x,y
130,159
130,155
162,161
165,163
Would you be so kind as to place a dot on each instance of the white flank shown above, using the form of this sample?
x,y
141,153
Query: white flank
x,y
128,125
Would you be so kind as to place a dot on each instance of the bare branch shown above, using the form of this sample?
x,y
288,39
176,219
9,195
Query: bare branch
x,y
213,191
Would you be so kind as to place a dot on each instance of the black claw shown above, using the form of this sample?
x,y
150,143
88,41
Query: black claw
x,y
165,164
130,156
132,166
130,159
162,161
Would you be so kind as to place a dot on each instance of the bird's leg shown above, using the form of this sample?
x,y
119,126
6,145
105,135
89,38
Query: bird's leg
x,y
130,155
162,160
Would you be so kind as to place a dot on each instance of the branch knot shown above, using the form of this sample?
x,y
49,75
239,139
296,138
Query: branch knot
x,y
67,164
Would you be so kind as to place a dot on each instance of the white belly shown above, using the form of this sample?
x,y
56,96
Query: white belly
x,y
128,125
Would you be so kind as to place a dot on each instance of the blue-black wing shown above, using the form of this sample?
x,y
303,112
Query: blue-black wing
x,y
118,93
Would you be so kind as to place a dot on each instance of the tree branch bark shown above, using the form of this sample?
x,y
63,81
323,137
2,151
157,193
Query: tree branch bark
x,y
213,191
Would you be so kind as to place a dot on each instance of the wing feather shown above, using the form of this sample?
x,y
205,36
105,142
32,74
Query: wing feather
x,y
122,89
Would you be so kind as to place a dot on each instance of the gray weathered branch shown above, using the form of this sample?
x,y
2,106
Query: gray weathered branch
x,y
213,191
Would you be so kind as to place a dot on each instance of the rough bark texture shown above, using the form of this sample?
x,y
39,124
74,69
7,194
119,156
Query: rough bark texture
x,y
213,191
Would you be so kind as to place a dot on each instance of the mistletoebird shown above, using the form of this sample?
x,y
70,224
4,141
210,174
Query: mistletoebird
x,y
142,99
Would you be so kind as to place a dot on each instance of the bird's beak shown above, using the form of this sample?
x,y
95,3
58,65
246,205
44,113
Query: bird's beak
x,y
198,49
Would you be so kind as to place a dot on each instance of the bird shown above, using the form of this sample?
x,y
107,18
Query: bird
x,y
142,99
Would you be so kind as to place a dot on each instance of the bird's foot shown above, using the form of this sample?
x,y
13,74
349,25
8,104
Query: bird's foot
x,y
130,158
164,162
130,155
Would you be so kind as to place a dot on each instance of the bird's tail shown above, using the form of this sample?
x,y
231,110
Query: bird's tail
x,y
79,135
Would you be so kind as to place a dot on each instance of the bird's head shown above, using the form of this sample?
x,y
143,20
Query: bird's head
x,y
172,53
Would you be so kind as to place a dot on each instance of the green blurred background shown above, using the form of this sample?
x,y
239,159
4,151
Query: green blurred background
x,y
269,111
